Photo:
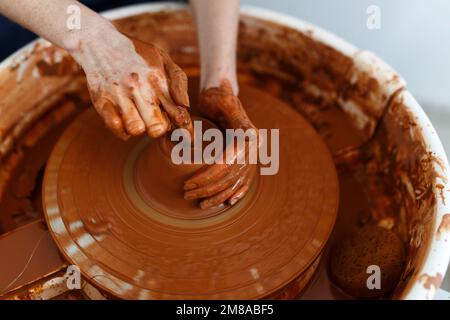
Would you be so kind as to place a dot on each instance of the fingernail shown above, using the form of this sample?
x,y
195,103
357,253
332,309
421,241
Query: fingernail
x,y
205,204
156,130
233,201
190,186
186,103
189,195
136,128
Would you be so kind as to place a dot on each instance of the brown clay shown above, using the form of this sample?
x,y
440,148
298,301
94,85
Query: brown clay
x,y
28,254
228,182
152,250
376,167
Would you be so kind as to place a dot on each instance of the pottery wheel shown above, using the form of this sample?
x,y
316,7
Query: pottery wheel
x,y
132,245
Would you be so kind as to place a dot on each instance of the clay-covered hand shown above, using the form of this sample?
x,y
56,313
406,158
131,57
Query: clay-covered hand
x,y
134,86
228,181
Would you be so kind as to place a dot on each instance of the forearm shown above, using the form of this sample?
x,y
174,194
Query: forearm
x,y
217,26
49,19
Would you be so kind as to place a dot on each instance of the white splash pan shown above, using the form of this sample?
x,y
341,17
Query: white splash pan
x,y
438,251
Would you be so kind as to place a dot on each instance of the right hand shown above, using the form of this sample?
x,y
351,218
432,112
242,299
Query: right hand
x,y
134,86
228,181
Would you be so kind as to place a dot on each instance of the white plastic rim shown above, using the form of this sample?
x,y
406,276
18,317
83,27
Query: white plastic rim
x,y
438,255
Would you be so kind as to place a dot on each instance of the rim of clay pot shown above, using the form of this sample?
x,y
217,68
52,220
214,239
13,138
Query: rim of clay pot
x,y
438,254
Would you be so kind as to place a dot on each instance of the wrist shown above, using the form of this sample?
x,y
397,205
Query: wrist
x,y
92,34
216,77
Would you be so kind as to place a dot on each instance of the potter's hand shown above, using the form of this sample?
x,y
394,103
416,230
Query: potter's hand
x,y
129,81
228,181
134,86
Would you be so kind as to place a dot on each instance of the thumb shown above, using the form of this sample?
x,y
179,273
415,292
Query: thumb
x,y
178,82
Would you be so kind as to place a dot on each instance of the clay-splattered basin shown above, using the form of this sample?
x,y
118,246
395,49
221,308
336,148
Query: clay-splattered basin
x,y
357,83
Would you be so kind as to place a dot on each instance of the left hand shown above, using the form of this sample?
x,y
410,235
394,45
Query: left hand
x,y
228,181
134,86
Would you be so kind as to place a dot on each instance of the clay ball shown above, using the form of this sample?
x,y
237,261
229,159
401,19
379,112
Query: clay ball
x,y
352,260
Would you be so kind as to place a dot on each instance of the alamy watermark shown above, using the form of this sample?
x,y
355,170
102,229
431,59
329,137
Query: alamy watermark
x,y
73,21
374,280
73,277
239,146
374,17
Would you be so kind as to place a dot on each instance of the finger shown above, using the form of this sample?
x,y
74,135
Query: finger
x,y
155,121
178,82
225,86
207,175
237,115
134,125
217,186
113,120
220,197
242,191
218,103
179,116
239,194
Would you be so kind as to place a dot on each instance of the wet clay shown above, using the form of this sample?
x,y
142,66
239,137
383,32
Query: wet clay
x,y
29,254
20,189
386,176
230,181
251,250
160,182
152,70
353,213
